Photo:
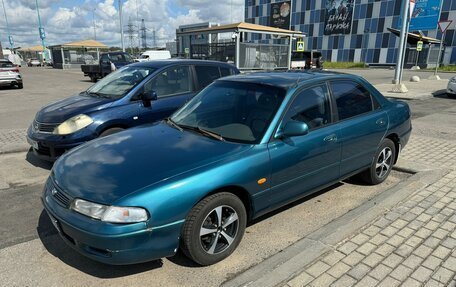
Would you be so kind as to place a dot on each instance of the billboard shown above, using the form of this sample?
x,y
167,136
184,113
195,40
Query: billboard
x,y
280,15
338,16
425,15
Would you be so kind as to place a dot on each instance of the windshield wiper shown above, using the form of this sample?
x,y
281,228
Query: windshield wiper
x,y
174,124
211,134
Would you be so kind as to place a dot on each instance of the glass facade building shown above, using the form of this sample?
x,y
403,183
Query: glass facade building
x,y
369,40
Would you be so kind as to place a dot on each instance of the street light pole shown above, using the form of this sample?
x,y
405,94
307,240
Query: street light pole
x,y
94,26
41,30
397,74
121,26
10,38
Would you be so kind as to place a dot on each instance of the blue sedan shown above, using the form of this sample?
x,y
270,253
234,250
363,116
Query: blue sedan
x,y
244,146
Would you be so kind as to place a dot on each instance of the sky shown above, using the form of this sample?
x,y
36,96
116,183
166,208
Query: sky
x,y
66,21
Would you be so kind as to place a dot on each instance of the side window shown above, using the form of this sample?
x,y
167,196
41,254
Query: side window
x,y
352,99
310,106
104,58
225,72
206,75
170,82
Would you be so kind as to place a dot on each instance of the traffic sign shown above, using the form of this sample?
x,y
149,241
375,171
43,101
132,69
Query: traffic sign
x,y
42,33
419,46
187,50
443,25
300,46
11,41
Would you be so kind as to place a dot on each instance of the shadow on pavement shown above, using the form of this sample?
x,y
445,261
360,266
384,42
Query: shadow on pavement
x,y
55,246
442,94
33,160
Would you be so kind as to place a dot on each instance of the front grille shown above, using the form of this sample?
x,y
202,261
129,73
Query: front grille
x,y
60,197
44,127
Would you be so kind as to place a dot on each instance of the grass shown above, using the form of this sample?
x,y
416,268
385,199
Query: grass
x,y
449,68
343,65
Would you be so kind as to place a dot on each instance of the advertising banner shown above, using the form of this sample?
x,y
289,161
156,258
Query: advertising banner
x,y
339,14
280,15
425,15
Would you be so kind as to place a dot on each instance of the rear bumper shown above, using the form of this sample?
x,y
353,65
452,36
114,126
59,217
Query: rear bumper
x,y
115,244
10,81
451,89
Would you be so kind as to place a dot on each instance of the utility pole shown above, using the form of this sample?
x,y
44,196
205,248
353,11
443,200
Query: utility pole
x,y
41,31
143,34
399,87
121,26
10,38
94,26
131,33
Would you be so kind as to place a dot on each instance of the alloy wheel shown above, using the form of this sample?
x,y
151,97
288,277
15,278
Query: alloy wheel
x,y
384,162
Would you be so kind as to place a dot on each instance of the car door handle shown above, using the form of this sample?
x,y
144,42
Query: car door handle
x,y
380,122
330,138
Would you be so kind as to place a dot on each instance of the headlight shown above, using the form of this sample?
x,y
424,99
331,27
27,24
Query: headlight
x,y
73,124
114,214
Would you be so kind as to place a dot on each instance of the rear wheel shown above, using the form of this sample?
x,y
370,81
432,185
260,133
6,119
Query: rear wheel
x,y
382,164
93,79
110,132
214,228
452,96
20,85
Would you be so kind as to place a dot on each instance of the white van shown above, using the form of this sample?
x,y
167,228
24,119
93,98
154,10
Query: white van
x,y
154,55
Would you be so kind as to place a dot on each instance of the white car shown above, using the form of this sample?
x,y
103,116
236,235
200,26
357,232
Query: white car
x,y
10,75
34,63
451,89
154,55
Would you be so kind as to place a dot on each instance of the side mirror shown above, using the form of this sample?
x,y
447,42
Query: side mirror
x,y
148,97
293,129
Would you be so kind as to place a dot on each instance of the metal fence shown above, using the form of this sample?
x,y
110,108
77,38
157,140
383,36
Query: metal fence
x,y
224,52
263,56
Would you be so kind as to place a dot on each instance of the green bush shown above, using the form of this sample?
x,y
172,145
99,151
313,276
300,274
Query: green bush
x,y
343,65
449,68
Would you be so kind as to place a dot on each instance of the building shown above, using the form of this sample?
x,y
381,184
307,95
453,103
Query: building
x,y
184,41
367,37
75,54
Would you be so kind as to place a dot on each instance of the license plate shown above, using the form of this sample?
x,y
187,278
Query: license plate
x,y
33,143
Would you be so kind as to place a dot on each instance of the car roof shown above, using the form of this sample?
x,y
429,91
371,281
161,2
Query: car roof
x,y
167,62
286,79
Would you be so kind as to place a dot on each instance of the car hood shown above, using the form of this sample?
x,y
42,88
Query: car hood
x,y
62,110
109,168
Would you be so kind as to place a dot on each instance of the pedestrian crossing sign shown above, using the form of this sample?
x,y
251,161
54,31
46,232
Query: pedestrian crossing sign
x,y
300,46
419,46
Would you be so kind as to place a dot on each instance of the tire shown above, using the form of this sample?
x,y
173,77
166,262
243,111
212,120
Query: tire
x,y
451,96
212,247
20,86
110,132
93,79
382,164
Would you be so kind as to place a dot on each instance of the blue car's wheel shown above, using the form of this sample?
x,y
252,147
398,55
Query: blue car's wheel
x,y
382,164
214,228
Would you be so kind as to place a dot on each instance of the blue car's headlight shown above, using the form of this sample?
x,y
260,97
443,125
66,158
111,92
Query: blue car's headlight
x,y
73,124
113,214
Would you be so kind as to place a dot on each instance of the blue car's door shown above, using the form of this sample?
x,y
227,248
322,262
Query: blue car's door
x,y
302,163
362,124
174,86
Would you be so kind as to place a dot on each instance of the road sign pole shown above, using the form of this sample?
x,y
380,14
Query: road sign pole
x,y
397,74
440,54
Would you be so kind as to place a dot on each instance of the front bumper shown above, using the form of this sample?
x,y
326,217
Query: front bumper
x,y
115,244
49,147
451,89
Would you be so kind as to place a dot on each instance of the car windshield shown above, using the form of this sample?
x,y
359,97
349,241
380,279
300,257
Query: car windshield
x,y
233,111
119,83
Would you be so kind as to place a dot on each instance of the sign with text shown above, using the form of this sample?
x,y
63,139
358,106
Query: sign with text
x,y
280,15
339,14
425,16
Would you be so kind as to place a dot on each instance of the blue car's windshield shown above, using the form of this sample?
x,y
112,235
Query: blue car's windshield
x,y
117,84
236,111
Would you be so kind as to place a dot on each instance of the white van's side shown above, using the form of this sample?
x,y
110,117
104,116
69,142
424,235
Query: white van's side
x,y
154,55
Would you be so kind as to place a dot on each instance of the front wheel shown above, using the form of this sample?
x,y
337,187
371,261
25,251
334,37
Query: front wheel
x,y
382,164
214,228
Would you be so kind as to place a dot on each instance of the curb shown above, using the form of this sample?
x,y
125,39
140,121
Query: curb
x,y
16,149
287,264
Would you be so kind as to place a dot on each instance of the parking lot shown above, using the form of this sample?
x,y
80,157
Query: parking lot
x,y
30,247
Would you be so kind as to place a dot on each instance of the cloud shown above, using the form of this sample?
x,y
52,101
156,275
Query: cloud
x,y
66,21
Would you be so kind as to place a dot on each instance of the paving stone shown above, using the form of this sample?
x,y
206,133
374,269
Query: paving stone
x,y
323,280
450,264
422,251
423,233
414,241
333,257
405,232
380,272
449,226
432,210
432,225
412,261
440,233
378,239
432,262
389,282
385,249
449,243
395,240
404,250
382,222
317,268
401,272
359,239
441,252
416,210
392,260
410,282
300,280
371,230
389,231
366,248
409,216
339,269
439,217
392,216
353,258
433,283
344,281
399,223
359,271
422,274
432,242
443,275
415,224
347,248
372,260
367,282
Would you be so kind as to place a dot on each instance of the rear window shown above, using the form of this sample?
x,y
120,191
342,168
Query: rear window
x,y
206,75
6,65
225,72
352,99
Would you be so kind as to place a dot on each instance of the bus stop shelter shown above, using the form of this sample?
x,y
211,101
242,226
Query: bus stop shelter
x,y
272,53
75,54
